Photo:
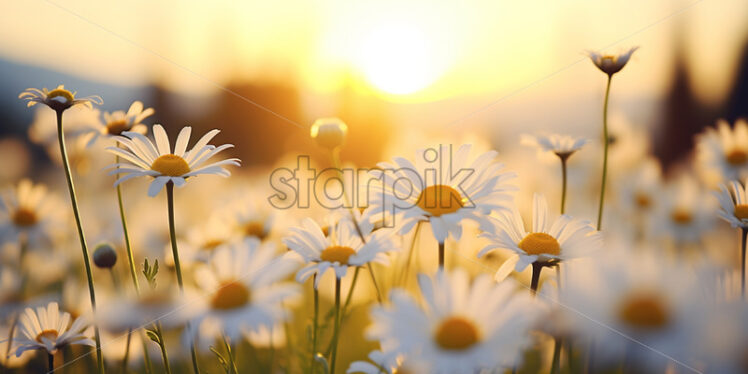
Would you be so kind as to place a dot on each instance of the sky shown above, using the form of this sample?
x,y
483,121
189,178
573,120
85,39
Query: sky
x,y
468,53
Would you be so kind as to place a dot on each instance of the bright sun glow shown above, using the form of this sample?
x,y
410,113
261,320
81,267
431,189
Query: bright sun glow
x,y
399,59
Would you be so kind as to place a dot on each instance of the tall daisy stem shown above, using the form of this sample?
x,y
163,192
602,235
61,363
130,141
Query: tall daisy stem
x,y
315,326
441,255
177,265
336,162
605,153
128,247
556,356
81,235
744,235
230,354
537,267
173,235
563,182
51,362
162,345
336,330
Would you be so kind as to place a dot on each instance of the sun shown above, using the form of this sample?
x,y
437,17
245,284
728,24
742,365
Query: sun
x,y
399,59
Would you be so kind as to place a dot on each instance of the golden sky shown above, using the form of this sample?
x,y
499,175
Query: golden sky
x,y
403,51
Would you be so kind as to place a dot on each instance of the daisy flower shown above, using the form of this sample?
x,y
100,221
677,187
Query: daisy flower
x,y
118,122
50,330
461,328
549,241
641,304
733,204
158,161
29,210
120,314
58,99
562,145
340,249
240,290
724,150
442,189
611,64
684,212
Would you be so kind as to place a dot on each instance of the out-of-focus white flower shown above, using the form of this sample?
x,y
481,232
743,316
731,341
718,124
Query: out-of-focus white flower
x,y
118,122
58,99
561,145
31,211
461,328
434,193
550,240
722,152
120,314
240,290
157,161
639,303
684,211
339,249
638,190
611,64
50,330
733,202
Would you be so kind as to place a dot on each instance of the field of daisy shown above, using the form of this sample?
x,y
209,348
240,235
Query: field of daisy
x,y
136,242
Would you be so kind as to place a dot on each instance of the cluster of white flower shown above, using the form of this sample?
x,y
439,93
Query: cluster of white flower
x,y
220,272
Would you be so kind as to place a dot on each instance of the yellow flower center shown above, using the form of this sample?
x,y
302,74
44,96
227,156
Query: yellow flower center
x,y
60,92
50,334
337,253
25,217
171,165
256,229
681,216
116,127
643,200
741,211
440,199
456,333
644,310
737,157
538,243
230,295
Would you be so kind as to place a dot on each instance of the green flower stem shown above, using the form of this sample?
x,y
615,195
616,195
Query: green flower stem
x,y
563,158
127,351
605,153
173,235
315,326
555,363
404,277
128,246
744,235
177,265
51,362
537,267
336,330
441,255
230,354
81,235
133,271
349,297
162,345
336,162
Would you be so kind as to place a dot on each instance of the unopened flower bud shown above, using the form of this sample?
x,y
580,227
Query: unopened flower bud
x,y
105,256
329,132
